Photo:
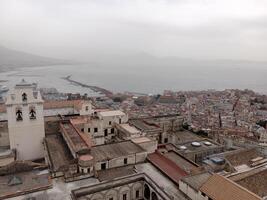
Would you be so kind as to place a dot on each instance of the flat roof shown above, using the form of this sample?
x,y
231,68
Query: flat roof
x,y
129,128
185,136
182,162
202,147
115,150
111,113
144,125
242,157
58,152
141,140
30,182
110,174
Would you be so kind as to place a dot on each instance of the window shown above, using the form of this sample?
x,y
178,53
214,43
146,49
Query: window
x,y
95,130
110,198
125,161
165,140
109,122
82,129
32,113
106,132
86,108
124,197
89,130
103,166
203,194
19,115
119,121
24,97
210,198
137,194
112,130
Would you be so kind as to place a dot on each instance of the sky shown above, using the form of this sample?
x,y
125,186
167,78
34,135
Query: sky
x,y
197,29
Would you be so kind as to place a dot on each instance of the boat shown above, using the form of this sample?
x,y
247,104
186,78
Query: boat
x,y
3,89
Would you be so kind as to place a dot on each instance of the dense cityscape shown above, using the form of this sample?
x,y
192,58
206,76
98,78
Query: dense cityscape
x,y
175,145
133,100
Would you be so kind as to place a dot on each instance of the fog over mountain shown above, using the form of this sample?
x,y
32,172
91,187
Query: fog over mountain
x,y
99,30
11,59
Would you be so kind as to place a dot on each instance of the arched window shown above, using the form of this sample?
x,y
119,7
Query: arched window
x,y
24,97
154,196
32,113
19,114
147,192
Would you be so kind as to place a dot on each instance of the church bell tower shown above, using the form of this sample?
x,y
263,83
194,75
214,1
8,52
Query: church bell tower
x,y
25,121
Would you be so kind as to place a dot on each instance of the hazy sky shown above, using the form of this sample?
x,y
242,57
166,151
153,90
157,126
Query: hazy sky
x,y
227,29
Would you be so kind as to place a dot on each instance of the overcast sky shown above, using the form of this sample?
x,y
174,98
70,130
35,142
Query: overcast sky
x,y
206,29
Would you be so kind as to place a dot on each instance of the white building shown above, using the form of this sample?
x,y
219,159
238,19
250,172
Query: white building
x,y
25,121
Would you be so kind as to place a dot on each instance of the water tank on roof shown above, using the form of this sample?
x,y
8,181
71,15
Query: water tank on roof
x,y
182,147
207,143
195,144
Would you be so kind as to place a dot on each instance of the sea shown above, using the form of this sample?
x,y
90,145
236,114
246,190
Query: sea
x,y
147,81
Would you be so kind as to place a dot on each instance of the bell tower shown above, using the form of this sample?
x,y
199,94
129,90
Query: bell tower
x,y
25,121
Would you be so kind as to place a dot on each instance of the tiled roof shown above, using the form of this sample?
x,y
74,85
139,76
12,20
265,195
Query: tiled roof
x,y
53,104
168,167
218,187
196,181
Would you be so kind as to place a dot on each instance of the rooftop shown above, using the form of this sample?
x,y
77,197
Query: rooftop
x,y
116,172
58,152
197,146
242,157
111,113
162,181
196,181
25,182
184,163
167,166
218,187
115,150
139,140
129,128
185,136
77,141
143,125
254,180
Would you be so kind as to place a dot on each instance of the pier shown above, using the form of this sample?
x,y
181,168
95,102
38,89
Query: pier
x,y
93,88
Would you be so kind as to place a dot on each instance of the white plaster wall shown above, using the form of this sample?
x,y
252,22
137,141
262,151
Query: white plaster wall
x,y
25,136
150,146
61,111
140,157
3,116
118,162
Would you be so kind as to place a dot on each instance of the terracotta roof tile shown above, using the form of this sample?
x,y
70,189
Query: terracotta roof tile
x,y
218,187
168,167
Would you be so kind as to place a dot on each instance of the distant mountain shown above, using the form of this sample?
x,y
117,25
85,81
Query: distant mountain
x,y
12,59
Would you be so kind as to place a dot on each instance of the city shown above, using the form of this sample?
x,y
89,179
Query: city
x,y
178,145
133,100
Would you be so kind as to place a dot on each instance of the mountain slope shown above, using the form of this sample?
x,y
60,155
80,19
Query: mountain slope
x,y
12,59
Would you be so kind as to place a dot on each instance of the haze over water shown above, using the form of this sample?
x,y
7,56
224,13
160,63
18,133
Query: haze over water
x,y
142,80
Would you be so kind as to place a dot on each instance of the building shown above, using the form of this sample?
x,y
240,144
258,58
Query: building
x,y
137,186
25,121
218,187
